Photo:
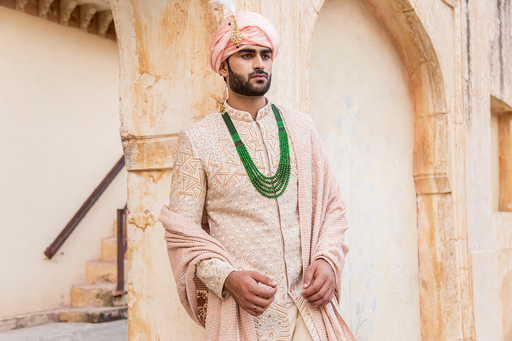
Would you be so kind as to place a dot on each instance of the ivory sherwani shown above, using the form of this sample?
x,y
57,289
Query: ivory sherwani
x,y
254,232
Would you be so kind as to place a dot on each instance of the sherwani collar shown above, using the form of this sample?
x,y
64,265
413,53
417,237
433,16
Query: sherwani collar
x,y
241,115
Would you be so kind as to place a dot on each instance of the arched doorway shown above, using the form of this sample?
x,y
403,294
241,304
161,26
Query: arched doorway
x,y
362,106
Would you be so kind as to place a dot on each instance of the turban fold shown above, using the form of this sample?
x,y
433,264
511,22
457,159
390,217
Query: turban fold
x,y
256,30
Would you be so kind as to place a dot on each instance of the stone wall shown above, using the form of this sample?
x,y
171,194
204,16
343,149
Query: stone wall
x,y
455,54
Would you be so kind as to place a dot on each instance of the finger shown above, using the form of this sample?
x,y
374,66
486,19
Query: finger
x,y
317,284
263,279
262,291
322,298
320,294
323,301
251,311
308,278
255,310
262,302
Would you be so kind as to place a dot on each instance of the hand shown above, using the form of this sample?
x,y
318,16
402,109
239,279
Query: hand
x,y
244,287
319,283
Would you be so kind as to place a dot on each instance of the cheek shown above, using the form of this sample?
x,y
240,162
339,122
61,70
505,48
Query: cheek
x,y
268,66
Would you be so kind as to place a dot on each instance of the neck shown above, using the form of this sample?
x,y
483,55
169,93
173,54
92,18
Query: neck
x,y
251,104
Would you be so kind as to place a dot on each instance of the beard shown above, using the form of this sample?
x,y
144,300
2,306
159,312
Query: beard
x,y
239,85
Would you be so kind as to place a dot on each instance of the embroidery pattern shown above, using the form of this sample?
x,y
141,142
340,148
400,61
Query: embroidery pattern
x,y
262,234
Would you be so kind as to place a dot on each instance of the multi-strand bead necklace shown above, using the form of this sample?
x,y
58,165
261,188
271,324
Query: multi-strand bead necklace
x,y
268,186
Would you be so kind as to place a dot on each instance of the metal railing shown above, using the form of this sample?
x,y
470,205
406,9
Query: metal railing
x,y
121,250
80,214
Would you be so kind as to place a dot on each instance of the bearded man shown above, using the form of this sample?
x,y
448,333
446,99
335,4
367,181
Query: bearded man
x,y
256,221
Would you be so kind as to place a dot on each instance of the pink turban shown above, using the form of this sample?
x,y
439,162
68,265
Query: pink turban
x,y
256,30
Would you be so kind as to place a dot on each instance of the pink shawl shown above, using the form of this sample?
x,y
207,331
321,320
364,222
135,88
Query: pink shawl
x,y
322,225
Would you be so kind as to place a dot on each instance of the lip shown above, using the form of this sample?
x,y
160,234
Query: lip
x,y
259,77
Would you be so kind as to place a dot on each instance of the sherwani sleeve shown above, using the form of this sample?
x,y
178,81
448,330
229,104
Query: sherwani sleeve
x,y
187,197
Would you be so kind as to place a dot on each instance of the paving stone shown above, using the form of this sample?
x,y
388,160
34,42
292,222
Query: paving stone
x,y
108,331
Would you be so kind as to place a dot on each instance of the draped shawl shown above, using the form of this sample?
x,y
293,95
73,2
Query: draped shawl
x,y
322,226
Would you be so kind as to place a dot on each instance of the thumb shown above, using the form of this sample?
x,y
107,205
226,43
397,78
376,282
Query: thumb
x,y
310,272
264,279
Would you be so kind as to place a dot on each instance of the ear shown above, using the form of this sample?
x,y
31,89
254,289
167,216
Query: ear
x,y
224,69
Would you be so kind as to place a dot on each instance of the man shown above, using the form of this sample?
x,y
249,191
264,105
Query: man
x,y
256,177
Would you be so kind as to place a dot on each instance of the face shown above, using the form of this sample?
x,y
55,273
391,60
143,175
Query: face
x,y
249,71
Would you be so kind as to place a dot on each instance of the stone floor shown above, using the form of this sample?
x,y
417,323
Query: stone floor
x,y
66,331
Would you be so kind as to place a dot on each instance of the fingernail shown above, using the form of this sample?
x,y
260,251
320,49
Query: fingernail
x,y
274,283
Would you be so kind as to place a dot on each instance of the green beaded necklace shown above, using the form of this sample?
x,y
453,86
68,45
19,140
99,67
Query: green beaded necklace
x,y
268,186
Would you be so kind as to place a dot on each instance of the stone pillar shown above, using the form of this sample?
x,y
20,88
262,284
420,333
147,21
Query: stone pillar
x,y
166,84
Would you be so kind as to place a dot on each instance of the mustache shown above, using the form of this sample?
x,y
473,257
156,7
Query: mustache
x,y
261,72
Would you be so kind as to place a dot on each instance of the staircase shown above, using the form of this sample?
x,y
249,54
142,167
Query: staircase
x,y
94,301
102,298
97,300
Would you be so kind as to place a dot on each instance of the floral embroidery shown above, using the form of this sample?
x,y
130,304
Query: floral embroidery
x,y
213,273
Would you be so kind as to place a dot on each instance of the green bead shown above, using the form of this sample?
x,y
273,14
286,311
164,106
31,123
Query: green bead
x,y
268,186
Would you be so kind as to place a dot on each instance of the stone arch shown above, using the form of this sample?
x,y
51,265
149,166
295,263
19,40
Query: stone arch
x,y
444,281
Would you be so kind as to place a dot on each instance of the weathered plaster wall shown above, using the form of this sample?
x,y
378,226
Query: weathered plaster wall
x,y
361,104
59,137
489,73
165,85
446,48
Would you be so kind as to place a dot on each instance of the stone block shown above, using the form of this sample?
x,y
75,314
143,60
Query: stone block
x,y
109,249
93,295
101,271
94,315
7,324
32,320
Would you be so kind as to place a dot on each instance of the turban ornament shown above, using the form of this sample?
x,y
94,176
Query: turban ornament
x,y
236,36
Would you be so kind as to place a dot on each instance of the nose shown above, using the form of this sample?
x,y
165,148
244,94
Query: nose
x,y
258,63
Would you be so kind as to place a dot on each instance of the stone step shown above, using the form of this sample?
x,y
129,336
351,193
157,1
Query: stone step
x,y
95,295
109,249
91,315
101,271
29,320
94,315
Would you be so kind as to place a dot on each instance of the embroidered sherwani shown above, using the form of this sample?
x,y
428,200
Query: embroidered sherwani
x,y
258,233
261,233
